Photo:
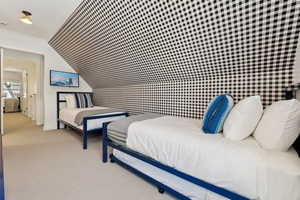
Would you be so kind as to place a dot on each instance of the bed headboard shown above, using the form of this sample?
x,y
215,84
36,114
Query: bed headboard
x,y
293,92
60,99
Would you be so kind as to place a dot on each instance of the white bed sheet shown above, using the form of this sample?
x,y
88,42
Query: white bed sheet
x,y
243,167
68,115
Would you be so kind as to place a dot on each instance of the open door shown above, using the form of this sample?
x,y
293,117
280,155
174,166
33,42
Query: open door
x,y
1,126
1,91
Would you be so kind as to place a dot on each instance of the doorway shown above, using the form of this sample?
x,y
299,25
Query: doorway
x,y
22,89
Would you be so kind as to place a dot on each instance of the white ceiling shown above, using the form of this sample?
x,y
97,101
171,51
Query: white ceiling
x,y
48,15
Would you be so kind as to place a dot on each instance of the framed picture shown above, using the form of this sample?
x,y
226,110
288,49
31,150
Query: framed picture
x,y
64,79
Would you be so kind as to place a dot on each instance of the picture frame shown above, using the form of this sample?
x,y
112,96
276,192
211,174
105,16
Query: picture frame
x,y
64,79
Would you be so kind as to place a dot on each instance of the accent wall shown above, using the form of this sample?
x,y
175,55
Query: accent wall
x,y
173,57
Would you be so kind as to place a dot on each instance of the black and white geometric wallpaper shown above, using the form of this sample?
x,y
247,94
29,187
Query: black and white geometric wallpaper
x,y
174,56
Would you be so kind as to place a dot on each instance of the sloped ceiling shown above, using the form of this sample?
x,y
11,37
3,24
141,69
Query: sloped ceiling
x,y
115,43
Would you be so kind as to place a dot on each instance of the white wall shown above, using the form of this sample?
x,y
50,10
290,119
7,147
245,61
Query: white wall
x,y
52,60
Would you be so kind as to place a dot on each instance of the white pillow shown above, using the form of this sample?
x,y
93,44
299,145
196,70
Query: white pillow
x,y
279,126
243,118
71,101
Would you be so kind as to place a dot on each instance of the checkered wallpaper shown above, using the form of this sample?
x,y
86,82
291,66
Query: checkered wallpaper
x,y
186,98
172,56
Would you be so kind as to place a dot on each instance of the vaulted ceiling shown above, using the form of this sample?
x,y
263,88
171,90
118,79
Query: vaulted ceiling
x,y
114,42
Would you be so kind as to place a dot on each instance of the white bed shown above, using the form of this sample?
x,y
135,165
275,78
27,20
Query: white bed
x,y
11,105
76,110
242,167
68,115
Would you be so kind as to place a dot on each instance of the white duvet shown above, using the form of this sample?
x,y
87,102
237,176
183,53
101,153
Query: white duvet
x,y
69,114
243,167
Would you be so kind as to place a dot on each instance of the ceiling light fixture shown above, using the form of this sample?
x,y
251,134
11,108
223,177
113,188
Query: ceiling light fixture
x,y
26,18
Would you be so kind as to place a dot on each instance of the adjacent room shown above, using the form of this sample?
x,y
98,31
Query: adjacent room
x,y
22,89
152,100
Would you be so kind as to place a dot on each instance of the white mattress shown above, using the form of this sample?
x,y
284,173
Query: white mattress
x,y
243,167
68,115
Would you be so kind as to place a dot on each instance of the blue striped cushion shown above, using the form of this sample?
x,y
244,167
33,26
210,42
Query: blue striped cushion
x,y
84,100
217,113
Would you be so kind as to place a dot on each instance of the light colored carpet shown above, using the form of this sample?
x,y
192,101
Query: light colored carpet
x,y
52,166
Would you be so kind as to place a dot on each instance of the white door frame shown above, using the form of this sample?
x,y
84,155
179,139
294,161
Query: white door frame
x,y
1,91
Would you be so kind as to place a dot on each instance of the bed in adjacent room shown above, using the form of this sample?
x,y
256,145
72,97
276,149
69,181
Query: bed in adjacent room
x,y
76,110
11,105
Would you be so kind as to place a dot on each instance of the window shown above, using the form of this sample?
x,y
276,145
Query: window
x,y
12,89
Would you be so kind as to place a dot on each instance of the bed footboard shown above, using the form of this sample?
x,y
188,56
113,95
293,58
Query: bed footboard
x,y
85,125
105,144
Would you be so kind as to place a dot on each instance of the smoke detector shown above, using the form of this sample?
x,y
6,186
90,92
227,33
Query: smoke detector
x,y
2,23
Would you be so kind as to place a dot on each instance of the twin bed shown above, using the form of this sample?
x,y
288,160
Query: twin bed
x,y
86,120
175,155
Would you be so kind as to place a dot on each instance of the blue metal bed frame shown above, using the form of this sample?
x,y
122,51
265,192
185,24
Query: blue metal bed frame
x,y
162,187
85,132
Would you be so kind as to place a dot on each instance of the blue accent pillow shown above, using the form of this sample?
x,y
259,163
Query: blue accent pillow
x,y
217,113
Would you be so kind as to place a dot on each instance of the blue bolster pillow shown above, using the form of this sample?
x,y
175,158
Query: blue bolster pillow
x,y
217,113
